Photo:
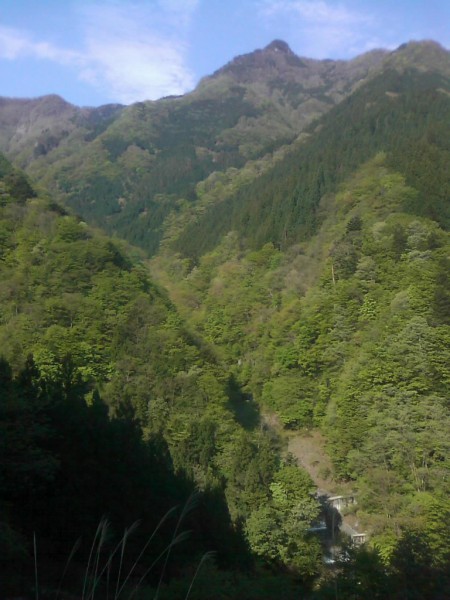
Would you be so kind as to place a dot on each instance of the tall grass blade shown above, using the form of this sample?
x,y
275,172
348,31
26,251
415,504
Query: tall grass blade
x,y
123,544
146,545
108,576
36,583
101,542
107,566
204,558
180,538
71,555
189,505
93,545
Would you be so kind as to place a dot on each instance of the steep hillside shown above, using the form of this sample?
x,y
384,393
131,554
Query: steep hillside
x,y
348,332
70,291
321,280
403,110
109,406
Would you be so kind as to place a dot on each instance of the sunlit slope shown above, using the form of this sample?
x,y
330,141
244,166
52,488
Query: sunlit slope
x,y
403,111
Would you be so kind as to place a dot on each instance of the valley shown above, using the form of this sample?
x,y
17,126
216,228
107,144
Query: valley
x,y
238,297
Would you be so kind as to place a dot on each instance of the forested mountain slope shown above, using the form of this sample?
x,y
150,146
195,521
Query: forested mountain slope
x,y
124,168
307,279
323,283
348,332
32,128
404,110
109,407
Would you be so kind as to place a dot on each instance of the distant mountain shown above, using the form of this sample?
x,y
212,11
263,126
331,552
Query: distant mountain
x,y
30,129
128,169
297,88
424,56
123,168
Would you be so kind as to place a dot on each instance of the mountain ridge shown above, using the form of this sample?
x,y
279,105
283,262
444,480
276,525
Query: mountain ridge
x,y
127,168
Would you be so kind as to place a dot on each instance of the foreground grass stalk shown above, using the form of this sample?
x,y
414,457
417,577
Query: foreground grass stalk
x,y
93,545
203,559
188,506
95,569
136,562
126,534
68,561
36,583
102,539
108,564
181,537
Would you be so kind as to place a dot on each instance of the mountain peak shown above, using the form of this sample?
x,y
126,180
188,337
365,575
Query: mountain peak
x,y
424,54
262,64
279,46
427,45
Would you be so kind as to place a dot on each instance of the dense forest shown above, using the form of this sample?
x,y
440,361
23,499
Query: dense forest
x,y
406,115
360,351
85,333
300,284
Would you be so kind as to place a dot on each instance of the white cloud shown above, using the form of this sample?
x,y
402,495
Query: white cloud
x,y
16,44
131,52
138,51
325,29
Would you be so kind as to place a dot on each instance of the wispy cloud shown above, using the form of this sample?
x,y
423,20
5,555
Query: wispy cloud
x,y
130,51
138,50
15,44
325,28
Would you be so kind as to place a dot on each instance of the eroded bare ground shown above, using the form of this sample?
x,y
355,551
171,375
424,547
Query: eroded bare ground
x,y
309,448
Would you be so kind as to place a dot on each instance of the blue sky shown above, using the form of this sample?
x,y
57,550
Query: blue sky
x,y
94,52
